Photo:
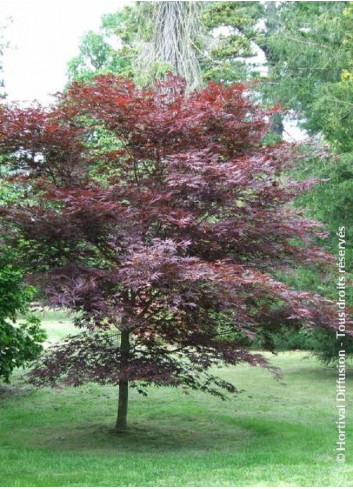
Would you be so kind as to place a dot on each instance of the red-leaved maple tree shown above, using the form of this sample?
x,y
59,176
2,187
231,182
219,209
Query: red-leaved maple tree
x,y
159,220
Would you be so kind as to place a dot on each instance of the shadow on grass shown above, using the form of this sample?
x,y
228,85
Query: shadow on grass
x,y
143,437
9,391
242,440
325,372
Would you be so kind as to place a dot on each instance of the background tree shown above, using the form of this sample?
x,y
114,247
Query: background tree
x,y
309,36
144,41
231,32
205,41
21,337
167,256
301,42
112,49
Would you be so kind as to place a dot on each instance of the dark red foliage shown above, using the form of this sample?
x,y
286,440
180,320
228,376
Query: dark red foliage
x,y
172,230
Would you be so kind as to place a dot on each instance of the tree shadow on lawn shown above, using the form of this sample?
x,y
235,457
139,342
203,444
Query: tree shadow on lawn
x,y
9,391
145,437
245,440
67,426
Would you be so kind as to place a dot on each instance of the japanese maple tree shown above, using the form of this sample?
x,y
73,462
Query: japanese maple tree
x,y
159,220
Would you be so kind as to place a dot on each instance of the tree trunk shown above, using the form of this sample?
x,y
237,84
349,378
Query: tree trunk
x,y
175,27
121,424
277,126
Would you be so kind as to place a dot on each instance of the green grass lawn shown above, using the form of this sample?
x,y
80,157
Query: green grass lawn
x,y
272,434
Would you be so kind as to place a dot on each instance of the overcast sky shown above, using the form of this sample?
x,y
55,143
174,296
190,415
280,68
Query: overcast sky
x,y
44,35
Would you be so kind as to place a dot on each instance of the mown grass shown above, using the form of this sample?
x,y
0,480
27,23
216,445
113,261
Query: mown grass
x,y
272,434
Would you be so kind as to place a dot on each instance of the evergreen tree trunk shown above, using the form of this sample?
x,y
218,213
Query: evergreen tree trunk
x,y
277,126
121,422
176,28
